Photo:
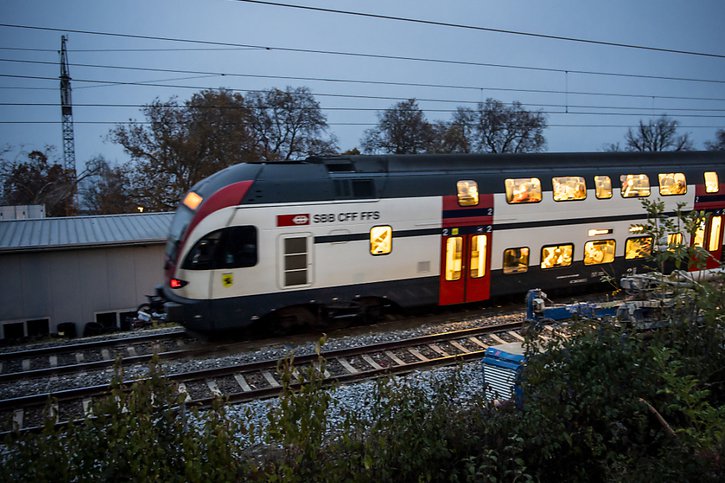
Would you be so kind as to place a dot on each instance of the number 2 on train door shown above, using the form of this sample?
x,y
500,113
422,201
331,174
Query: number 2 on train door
x,y
465,269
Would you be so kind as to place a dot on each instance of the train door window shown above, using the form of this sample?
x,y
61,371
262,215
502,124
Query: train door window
x,y
516,260
553,256
638,247
635,185
478,256
381,240
523,190
603,185
674,240
715,228
672,184
454,262
599,251
467,192
698,239
711,182
295,261
568,188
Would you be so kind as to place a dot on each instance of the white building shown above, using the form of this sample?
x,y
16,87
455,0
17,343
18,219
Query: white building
x,y
77,270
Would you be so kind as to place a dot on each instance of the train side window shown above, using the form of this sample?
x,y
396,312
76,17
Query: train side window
x,y
638,247
603,185
516,260
599,251
672,184
381,240
478,256
454,262
711,182
467,192
523,190
674,240
568,188
635,185
237,247
201,255
715,228
553,256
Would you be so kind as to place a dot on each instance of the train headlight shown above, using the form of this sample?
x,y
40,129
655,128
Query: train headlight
x,y
192,200
177,283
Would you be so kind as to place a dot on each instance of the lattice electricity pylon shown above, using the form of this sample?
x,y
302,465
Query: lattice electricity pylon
x,y
66,107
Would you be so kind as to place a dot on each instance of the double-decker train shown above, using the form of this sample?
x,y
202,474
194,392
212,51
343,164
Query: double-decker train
x,y
335,235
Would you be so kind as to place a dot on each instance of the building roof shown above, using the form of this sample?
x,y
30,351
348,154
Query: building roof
x,y
84,232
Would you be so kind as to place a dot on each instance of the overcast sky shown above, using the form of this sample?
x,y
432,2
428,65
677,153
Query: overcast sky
x,y
388,60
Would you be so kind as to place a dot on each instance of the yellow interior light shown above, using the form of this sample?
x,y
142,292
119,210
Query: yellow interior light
x,y
192,200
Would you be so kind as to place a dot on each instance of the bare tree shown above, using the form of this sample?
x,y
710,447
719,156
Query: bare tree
x,y
719,143
288,125
181,144
109,189
39,181
403,129
494,127
655,135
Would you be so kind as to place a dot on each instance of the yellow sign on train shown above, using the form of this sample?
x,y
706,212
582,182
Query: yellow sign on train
x,y
227,279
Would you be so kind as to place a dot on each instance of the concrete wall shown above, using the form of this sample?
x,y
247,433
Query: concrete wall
x,y
75,285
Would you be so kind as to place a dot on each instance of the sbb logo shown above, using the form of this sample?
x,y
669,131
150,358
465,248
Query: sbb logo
x,y
293,220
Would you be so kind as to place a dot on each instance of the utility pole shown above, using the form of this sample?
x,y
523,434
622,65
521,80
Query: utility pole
x,y
66,108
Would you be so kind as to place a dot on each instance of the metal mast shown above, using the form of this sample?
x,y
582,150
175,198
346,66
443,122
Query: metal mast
x,y
66,107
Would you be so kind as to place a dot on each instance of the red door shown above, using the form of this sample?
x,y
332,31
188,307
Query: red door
x,y
465,267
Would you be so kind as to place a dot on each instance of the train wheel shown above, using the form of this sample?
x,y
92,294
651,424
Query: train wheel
x,y
291,319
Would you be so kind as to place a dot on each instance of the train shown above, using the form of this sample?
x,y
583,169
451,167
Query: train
x,y
340,235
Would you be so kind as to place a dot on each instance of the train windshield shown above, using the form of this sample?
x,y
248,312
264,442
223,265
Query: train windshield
x,y
178,226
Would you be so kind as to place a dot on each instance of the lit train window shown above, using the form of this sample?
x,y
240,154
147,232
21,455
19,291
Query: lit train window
x,y
523,190
715,228
672,184
603,185
568,188
698,240
634,185
516,260
600,251
553,256
711,182
638,247
467,193
478,256
674,241
454,249
381,240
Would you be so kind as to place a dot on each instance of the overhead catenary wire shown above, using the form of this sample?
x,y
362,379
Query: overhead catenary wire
x,y
368,55
202,74
439,23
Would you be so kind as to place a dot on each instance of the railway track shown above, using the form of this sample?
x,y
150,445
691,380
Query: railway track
x,y
260,380
84,356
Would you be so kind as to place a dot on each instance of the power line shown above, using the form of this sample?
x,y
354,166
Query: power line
x,y
202,74
485,29
318,94
361,124
377,109
371,56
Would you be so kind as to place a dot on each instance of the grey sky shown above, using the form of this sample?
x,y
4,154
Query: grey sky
x,y
690,25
